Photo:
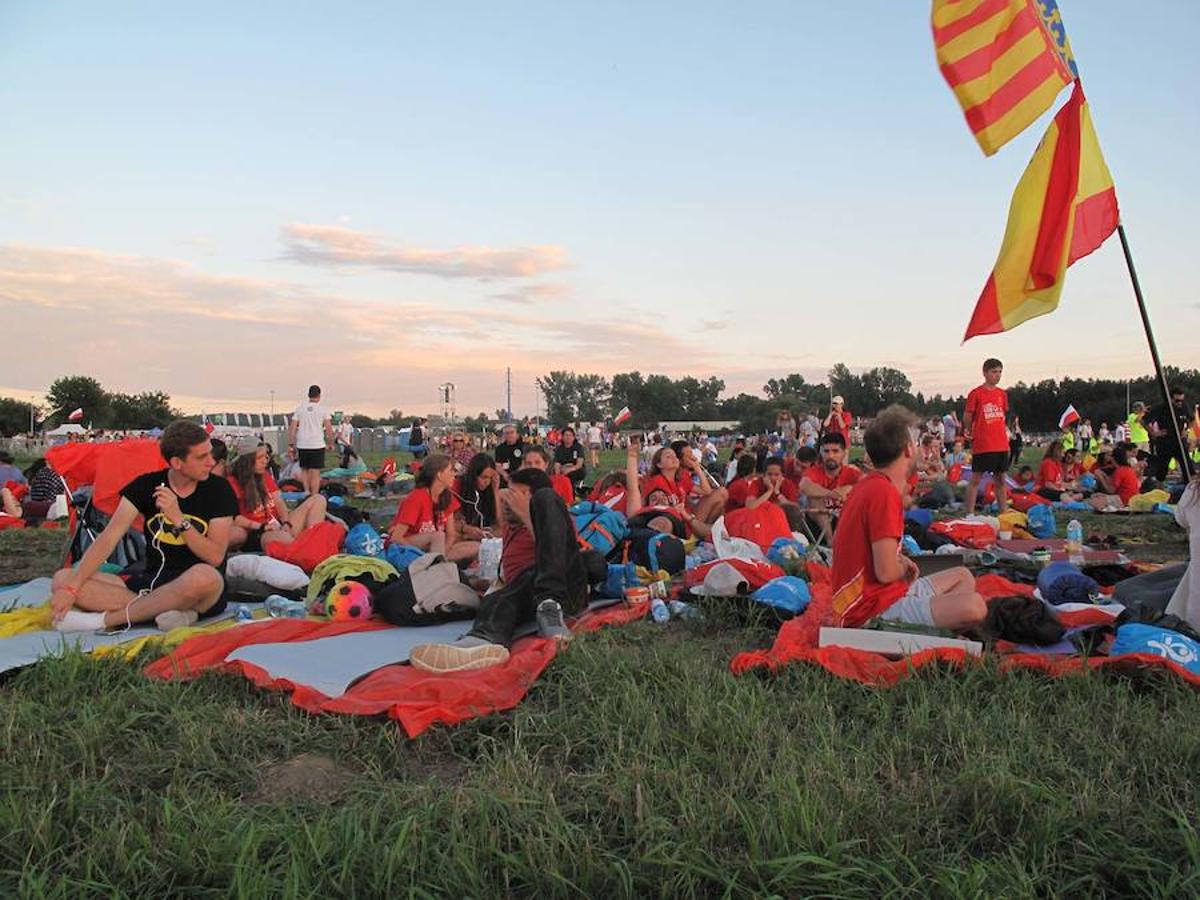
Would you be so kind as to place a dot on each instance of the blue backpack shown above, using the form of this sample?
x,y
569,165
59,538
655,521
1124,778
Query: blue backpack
x,y
1041,521
788,595
601,528
1149,639
363,540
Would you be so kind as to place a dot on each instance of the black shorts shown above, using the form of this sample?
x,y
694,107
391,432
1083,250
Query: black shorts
x,y
145,581
1049,493
990,463
311,459
253,543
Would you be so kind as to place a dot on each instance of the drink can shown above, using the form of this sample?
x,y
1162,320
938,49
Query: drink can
x,y
635,595
658,589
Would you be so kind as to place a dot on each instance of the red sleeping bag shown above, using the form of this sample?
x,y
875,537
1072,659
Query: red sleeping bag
x,y
312,547
762,525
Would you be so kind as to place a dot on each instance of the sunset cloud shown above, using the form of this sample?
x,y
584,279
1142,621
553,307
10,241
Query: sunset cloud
x,y
335,246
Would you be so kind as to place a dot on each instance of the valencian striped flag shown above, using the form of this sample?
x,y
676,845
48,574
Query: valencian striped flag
x,y
1064,207
1005,60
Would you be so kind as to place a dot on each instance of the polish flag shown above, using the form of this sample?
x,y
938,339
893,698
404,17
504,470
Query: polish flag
x,y
622,417
76,416
1069,417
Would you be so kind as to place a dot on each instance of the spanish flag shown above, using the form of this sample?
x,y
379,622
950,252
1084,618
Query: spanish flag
x,y
1064,207
1005,60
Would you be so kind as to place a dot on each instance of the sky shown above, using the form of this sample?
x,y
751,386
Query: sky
x,y
231,201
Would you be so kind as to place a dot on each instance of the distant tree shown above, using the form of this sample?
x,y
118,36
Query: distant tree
x,y
561,391
15,415
72,392
149,409
789,384
502,415
592,396
394,417
358,420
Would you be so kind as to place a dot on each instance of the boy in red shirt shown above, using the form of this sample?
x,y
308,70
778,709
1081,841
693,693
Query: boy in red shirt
x,y
870,576
984,424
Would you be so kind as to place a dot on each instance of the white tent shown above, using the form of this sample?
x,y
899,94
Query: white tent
x,y
66,428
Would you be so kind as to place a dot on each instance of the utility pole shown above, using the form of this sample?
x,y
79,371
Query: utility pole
x,y
508,381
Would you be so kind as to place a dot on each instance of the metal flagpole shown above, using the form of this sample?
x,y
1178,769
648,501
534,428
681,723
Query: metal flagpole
x,y
1163,387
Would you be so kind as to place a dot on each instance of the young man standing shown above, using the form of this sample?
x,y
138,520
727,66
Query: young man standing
x,y
1166,446
188,516
839,419
310,434
984,424
870,576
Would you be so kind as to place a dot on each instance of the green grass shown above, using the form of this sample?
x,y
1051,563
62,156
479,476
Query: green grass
x,y
636,766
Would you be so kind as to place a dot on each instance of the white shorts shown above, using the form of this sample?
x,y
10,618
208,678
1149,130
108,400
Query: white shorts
x,y
914,607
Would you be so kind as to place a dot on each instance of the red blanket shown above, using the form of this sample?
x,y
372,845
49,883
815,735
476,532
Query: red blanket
x,y
798,639
414,698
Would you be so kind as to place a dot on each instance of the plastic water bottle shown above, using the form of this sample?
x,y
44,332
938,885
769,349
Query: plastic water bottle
x,y
280,607
659,611
683,610
1075,542
489,558
241,614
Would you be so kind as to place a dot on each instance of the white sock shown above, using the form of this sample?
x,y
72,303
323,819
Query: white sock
x,y
78,620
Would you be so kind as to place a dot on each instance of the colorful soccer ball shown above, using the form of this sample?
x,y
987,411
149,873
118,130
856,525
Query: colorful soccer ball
x,y
348,601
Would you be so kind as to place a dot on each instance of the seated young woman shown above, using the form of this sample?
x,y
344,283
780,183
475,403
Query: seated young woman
x,y
263,518
676,471
477,492
426,519
653,504
538,457
1119,485
1051,477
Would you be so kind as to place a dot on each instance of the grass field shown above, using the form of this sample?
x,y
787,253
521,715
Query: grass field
x,y
637,766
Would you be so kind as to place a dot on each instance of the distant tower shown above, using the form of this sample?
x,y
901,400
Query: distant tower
x,y
449,413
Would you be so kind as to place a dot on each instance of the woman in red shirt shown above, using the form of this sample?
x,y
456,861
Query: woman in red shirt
x,y
1123,481
263,516
426,519
1051,480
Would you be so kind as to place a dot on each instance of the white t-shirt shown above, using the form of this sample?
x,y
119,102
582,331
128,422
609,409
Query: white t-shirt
x,y
594,434
346,432
310,435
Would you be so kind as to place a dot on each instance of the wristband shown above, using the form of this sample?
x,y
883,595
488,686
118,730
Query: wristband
x,y
70,589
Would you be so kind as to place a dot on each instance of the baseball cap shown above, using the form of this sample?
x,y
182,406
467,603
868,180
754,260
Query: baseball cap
x,y
838,400
722,580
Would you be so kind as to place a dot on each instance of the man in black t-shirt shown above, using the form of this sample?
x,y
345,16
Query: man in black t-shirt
x,y
188,516
1163,440
568,457
509,453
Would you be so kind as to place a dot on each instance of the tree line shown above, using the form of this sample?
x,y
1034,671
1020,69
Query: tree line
x,y
101,408
572,397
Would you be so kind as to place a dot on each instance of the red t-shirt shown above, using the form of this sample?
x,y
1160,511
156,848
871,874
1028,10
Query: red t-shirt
x,y
840,424
846,476
988,407
740,490
873,511
678,490
418,514
1049,472
517,553
1125,483
266,510
563,487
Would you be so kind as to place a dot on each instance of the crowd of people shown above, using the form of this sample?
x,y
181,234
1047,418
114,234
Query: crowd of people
x,y
204,505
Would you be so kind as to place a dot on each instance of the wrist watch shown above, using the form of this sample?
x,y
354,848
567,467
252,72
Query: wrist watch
x,y
185,525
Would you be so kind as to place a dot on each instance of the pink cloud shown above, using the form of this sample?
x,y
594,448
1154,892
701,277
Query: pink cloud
x,y
331,245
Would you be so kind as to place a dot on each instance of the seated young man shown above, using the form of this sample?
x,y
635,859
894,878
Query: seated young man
x,y
828,483
544,576
870,576
188,517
